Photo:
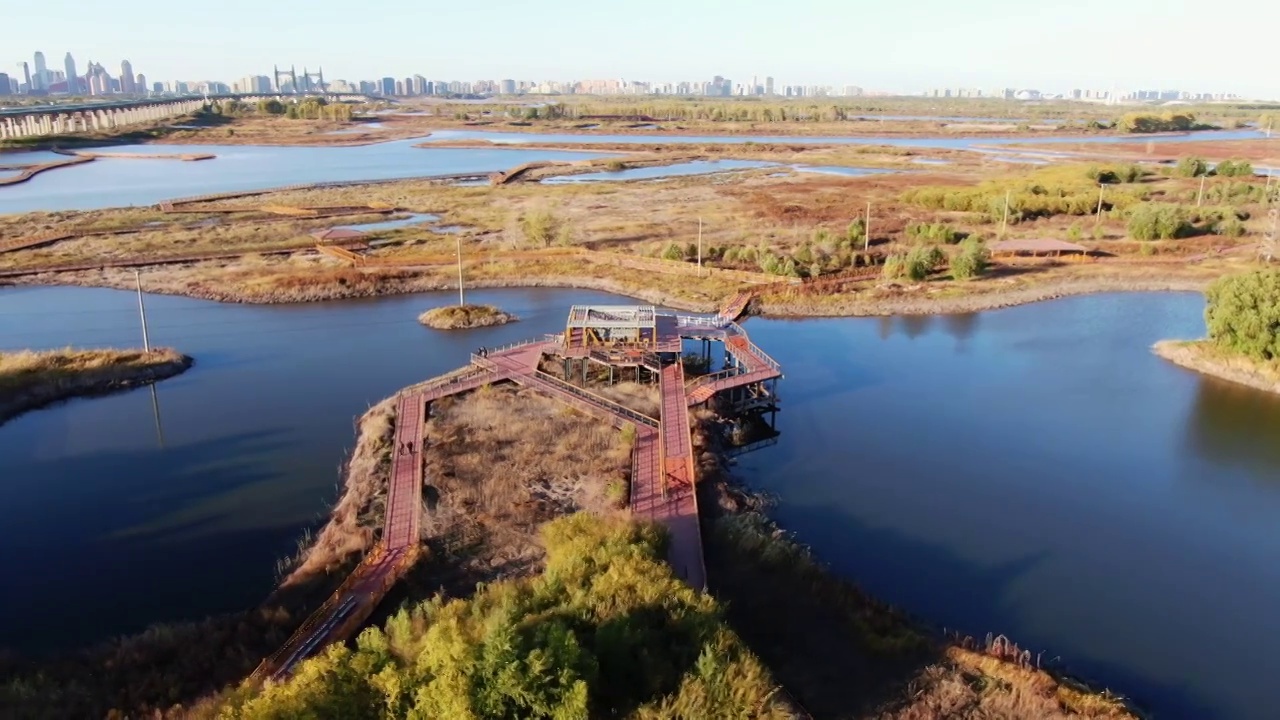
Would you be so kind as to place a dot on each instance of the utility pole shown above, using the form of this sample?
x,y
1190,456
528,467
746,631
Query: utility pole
x,y
1004,224
699,247
1097,216
866,230
1200,195
142,312
461,299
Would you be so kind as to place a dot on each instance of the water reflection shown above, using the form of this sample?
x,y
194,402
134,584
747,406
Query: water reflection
x,y
1236,426
961,326
155,409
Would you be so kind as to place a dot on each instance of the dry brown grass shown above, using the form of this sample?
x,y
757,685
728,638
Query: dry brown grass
x,y
970,684
500,462
752,213
29,380
1207,358
357,514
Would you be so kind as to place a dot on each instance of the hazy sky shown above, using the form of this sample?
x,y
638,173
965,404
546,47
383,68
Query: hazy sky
x,y
902,45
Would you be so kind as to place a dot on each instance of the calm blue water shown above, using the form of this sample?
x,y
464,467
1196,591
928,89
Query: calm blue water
x,y
121,182
1037,472
412,219
1034,471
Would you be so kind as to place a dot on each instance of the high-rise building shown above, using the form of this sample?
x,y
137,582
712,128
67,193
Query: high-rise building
x,y
388,86
26,75
41,81
141,83
6,85
157,87
126,78
768,86
408,86
73,80
253,84
508,87
419,85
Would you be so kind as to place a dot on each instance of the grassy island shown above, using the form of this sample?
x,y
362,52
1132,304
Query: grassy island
x,y
462,317
29,380
1243,320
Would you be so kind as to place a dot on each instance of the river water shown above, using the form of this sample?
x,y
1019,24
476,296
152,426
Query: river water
x,y
1034,471
114,182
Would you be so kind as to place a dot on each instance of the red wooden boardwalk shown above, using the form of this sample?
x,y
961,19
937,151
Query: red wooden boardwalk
x,y
755,366
358,595
679,510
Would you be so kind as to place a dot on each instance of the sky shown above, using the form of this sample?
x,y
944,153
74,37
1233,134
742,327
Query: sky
x,y
897,45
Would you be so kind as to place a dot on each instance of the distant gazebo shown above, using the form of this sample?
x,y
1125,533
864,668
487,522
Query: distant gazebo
x,y
337,234
1036,247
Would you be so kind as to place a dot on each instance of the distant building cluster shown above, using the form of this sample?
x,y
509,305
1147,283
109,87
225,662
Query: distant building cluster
x,y
717,86
1083,95
37,78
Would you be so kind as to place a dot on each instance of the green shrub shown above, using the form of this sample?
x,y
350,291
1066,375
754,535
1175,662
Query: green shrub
x,y
1075,233
1231,227
673,252
856,232
1155,221
971,261
923,260
730,255
1243,314
934,232
1237,168
895,267
540,227
1192,167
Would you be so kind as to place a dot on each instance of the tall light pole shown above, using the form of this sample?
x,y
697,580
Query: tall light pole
x,y
699,247
142,312
461,298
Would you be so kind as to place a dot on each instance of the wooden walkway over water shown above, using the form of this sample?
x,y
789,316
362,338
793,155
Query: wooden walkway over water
x,y
663,478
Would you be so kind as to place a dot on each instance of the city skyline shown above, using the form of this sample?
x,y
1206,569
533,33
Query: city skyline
x,y
904,48
97,80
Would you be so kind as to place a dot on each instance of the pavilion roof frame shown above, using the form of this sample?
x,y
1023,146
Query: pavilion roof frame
x,y
631,317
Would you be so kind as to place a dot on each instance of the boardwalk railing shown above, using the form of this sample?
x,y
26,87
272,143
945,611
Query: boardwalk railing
x,y
753,348
715,321
711,378
270,664
601,402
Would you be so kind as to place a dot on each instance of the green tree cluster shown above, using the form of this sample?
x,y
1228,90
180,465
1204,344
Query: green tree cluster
x,y
1066,190
1159,221
1243,314
1114,174
1152,123
605,631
